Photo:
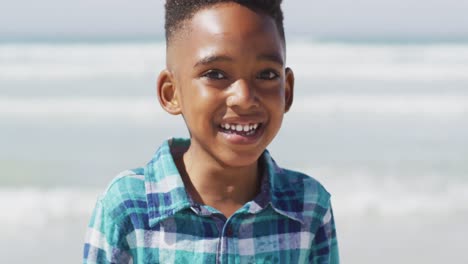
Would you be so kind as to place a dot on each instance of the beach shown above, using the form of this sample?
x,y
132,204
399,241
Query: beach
x,y
381,125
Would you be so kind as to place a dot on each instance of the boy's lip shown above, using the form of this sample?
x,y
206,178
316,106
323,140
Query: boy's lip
x,y
242,121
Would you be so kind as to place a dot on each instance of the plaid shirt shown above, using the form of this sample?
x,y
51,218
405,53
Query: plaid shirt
x,y
146,216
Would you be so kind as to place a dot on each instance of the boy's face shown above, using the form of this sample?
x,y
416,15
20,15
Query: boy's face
x,y
226,70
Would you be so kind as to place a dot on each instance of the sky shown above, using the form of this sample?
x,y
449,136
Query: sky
x,y
345,19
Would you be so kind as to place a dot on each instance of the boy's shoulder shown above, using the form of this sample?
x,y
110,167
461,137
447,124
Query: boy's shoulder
x,y
295,185
129,185
303,187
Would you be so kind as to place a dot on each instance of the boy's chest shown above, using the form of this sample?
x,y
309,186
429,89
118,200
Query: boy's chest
x,y
258,239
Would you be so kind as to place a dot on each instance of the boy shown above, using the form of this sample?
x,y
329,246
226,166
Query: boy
x,y
218,197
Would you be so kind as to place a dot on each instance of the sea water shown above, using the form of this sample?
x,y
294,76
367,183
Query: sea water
x,y
383,126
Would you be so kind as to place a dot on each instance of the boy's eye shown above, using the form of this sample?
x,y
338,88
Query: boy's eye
x,y
214,74
268,75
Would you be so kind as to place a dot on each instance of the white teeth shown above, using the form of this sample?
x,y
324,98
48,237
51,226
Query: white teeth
x,y
240,128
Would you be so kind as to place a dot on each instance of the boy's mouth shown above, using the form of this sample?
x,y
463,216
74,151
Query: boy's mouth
x,y
240,129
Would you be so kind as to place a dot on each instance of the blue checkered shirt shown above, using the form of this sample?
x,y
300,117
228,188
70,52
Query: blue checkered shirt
x,y
146,216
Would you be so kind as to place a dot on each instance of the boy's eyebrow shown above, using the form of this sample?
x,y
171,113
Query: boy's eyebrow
x,y
273,57
212,58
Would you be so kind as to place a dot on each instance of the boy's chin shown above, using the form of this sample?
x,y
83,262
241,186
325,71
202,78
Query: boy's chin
x,y
239,160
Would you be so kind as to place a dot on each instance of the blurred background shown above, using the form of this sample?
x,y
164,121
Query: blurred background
x,y
380,118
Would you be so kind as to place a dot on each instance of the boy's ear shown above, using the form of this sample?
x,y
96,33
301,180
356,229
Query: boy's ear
x,y
288,89
167,93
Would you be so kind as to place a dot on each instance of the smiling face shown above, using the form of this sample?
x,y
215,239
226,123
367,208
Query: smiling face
x,y
226,76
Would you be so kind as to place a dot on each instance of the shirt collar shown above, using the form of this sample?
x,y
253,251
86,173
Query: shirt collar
x,y
166,194
165,191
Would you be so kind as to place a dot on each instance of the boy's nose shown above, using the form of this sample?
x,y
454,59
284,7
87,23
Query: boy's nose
x,y
242,94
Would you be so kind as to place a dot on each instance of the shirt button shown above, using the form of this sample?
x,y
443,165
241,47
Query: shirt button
x,y
229,232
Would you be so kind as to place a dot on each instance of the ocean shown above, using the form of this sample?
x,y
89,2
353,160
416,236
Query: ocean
x,y
382,125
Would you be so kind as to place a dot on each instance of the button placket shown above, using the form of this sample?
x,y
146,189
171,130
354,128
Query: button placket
x,y
222,243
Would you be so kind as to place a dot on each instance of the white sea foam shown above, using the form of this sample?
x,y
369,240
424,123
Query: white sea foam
x,y
308,59
144,108
358,191
393,198
379,62
35,208
88,108
405,105
76,61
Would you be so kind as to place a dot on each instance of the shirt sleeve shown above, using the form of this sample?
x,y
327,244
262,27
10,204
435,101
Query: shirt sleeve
x,y
104,242
325,246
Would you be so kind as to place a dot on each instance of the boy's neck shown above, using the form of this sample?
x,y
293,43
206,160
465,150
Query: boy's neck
x,y
210,183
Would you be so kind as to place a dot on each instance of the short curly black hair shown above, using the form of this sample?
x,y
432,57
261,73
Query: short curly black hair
x,y
177,11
